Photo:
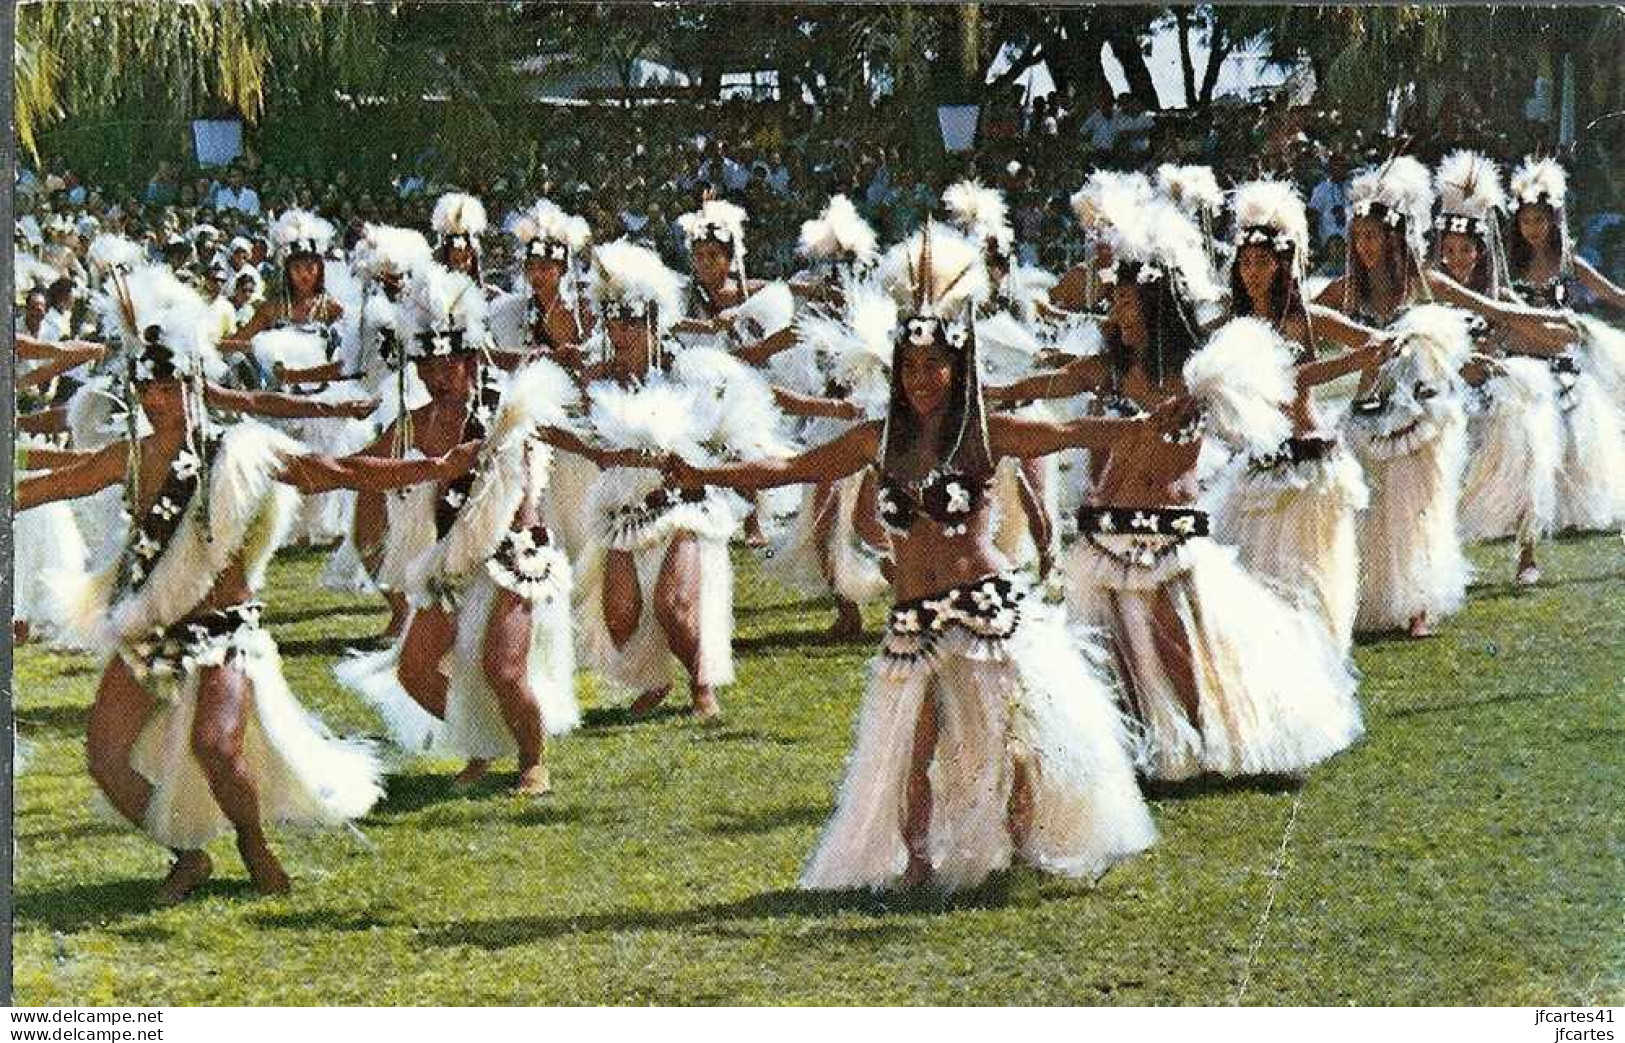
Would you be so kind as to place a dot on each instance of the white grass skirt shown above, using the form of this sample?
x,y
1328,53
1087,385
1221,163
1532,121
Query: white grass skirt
x,y
304,775
1274,694
1411,559
1591,479
474,726
45,539
797,559
569,486
1292,525
1516,439
1012,533
1030,696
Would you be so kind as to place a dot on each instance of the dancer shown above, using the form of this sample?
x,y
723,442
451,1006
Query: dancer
x,y
984,735
458,222
485,666
1226,675
194,730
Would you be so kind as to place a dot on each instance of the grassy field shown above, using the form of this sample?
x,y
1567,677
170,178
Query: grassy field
x,y
1468,852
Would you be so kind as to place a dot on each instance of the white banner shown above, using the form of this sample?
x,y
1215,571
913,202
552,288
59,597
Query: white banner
x,y
217,142
958,126
940,1025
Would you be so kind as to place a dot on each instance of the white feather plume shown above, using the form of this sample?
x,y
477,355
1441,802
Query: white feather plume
x,y
387,249
1275,205
1243,379
1157,234
1537,178
300,226
1006,348
839,233
110,251
657,416
151,295
290,348
1079,337
437,298
765,312
1192,188
958,276
716,213
1110,196
1469,185
546,220
979,211
1402,184
1435,342
736,416
625,271
30,273
458,213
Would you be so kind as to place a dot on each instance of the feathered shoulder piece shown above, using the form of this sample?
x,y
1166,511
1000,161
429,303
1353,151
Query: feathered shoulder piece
x,y
629,280
538,394
1243,378
1469,187
838,234
388,250
1191,187
110,252
458,217
935,273
546,231
1157,242
1399,190
1108,196
1272,212
1540,181
158,319
1435,339
980,212
717,221
299,233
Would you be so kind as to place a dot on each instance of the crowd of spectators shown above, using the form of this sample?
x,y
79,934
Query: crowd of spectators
x,y
631,170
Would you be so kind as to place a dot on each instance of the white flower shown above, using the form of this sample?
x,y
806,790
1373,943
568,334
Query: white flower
x,y
522,540
1107,522
907,621
1141,520
958,498
454,498
922,331
1150,273
146,546
957,334
166,508
186,465
1185,524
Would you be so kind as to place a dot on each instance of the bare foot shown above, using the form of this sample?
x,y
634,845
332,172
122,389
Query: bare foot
x,y
191,868
848,621
705,703
267,873
918,871
645,704
754,537
19,631
1420,627
1528,576
472,772
533,781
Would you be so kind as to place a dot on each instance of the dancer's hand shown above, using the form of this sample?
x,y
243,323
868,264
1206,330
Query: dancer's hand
x,y
680,473
1175,413
460,459
359,409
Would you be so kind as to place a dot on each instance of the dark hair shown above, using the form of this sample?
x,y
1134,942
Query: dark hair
x,y
442,254
287,272
1396,256
1170,327
1520,255
1482,278
962,440
1286,300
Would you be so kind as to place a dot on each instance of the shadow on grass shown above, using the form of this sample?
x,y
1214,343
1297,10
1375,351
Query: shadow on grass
x,y
79,906
1504,591
726,734
801,640
1211,785
608,719
333,646
1423,709
325,919
506,932
768,821
78,831
283,617
68,720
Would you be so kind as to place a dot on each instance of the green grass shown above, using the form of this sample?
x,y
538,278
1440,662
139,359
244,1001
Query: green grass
x,y
1468,852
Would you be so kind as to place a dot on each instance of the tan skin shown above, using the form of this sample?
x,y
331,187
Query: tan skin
x,y
928,561
123,707
1534,224
305,304
432,630
567,326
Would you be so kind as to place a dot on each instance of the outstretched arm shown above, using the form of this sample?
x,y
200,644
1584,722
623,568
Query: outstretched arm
x,y
1545,330
92,474
45,422
1605,290
1026,439
797,404
823,464
1074,378
310,374
64,362
1370,347
570,442
310,473
285,407
762,351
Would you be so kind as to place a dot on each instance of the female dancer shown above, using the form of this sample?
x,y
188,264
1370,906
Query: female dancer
x,y
194,730
1290,511
1513,425
984,736
1590,373
550,318
458,222
1226,675
485,666
657,577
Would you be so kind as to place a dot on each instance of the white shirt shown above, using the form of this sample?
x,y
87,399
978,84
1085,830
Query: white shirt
x,y
244,199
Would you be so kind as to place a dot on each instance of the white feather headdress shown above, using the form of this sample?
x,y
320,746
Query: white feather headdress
x,y
388,250
1469,186
545,230
980,212
1192,188
838,234
631,278
458,214
300,232
1541,181
438,300
110,252
719,221
936,272
1162,242
1397,190
148,307
1243,378
1273,212
1109,196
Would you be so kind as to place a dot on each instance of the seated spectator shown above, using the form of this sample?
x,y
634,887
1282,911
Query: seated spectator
x,y
236,195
